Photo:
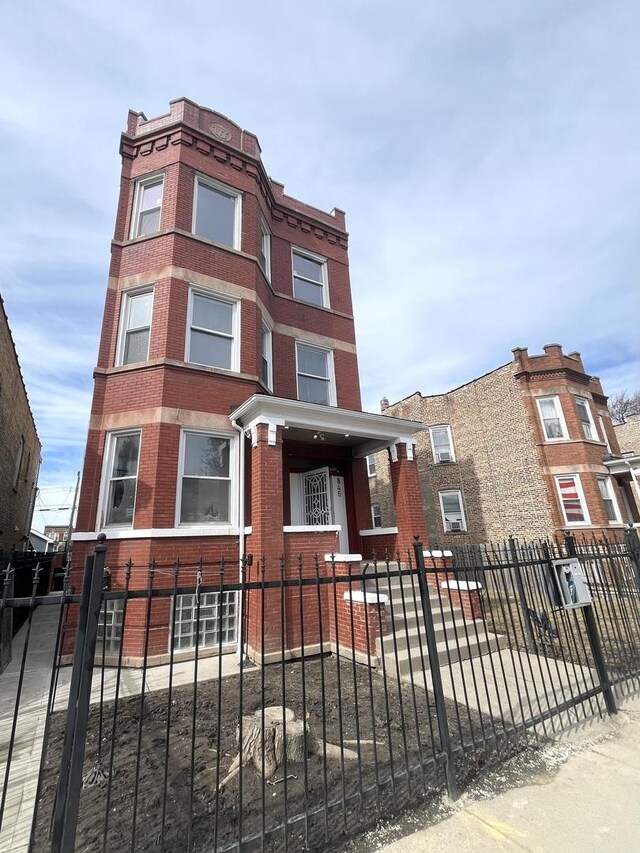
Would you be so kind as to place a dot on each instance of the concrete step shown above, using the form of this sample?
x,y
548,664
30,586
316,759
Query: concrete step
x,y
460,651
413,635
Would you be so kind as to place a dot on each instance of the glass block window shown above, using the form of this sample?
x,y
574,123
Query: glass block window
x,y
218,620
110,625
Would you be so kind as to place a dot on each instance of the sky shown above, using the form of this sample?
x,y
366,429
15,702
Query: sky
x,y
486,155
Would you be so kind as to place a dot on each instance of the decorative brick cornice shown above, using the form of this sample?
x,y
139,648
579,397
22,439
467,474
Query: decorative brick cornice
x,y
212,146
576,376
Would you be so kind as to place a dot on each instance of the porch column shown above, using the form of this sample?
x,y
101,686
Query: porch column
x,y
407,496
267,538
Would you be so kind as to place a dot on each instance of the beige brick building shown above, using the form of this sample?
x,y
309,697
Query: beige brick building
x,y
19,447
527,449
628,435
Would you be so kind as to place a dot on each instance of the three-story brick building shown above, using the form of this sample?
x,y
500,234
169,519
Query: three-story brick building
x,y
226,416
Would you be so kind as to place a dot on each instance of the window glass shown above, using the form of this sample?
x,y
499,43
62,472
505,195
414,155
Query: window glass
x,y
441,443
452,512
371,466
215,214
550,417
585,419
264,253
123,478
137,327
211,338
571,501
314,385
149,204
308,279
312,361
376,515
206,481
607,498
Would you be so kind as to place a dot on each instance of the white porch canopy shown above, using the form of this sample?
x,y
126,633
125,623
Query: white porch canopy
x,y
365,432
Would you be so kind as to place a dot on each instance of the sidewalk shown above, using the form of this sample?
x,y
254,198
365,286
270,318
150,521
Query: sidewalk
x,y
584,797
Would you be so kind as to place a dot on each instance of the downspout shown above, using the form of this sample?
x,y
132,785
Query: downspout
x,y
241,536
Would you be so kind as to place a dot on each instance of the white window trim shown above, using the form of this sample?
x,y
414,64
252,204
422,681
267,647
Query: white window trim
x,y
330,370
596,437
373,517
612,497
325,276
141,183
268,328
371,473
224,189
583,502
603,431
442,513
264,231
233,485
124,313
109,445
560,414
433,446
235,327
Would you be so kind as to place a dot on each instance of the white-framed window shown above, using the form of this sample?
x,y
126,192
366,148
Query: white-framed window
x,y
376,515
147,206
552,417
371,465
584,414
213,620
135,326
123,452
310,278
608,499
205,493
314,369
442,444
266,367
264,252
603,431
213,331
217,212
452,510
574,506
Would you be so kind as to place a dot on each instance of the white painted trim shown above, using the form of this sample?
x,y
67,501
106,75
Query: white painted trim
x,y
430,554
343,558
325,276
156,533
366,597
379,531
379,429
583,502
265,231
330,378
107,460
141,183
462,512
560,413
594,430
433,447
272,432
408,443
606,478
233,487
248,530
222,189
236,327
312,528
469,586
123,321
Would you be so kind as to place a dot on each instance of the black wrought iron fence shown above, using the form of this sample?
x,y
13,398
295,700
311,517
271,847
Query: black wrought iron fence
x,y
225,706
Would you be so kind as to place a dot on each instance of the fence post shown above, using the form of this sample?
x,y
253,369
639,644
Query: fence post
x,y
522,595
633,544
432,647
594,639
67,802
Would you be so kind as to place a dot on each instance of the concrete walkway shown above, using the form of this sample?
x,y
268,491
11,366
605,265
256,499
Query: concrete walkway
x,y
583,796
27,750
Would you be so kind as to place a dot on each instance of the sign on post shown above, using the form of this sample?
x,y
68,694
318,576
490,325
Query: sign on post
x,y
570,588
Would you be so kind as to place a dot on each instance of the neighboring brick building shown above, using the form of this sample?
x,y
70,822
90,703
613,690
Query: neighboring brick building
x,y
226,416
19,447
527,449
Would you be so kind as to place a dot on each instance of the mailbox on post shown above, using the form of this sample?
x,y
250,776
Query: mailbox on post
x,y
570,589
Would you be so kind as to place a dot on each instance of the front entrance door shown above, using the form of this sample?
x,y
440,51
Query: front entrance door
x,y
318,499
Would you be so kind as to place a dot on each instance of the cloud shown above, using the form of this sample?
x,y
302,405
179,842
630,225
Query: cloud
x,y
485,155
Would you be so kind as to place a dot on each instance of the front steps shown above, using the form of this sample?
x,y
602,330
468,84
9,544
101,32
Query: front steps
x,y
457,638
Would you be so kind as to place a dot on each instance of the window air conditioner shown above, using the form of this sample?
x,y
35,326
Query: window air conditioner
x,y
455,525
444,456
